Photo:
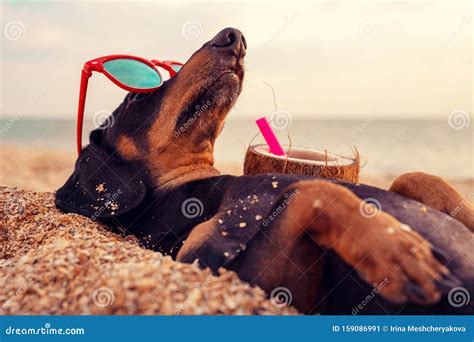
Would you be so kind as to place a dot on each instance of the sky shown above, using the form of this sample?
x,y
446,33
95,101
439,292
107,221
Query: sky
x,y
331,59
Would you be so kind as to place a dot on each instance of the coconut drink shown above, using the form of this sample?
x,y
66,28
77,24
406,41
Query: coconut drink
x,y
275,158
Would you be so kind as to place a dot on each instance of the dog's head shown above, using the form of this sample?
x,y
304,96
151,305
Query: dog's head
x,y
160,139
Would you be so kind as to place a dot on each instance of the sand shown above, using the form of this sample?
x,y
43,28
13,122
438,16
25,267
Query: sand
x,y
56,263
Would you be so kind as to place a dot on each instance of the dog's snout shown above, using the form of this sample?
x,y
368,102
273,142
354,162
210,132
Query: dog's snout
x,y
231,39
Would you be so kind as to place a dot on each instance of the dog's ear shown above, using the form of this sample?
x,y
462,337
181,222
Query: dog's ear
x,y
103,185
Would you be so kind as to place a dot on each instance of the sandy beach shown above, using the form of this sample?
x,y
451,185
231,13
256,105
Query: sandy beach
x,y
56,263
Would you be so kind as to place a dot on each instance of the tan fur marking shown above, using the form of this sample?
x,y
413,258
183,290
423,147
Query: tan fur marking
x,y
180,163
186,85
174,160
437,193
127,148
198,236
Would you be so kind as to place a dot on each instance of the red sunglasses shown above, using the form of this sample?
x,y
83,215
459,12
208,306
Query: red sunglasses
x,y
135,74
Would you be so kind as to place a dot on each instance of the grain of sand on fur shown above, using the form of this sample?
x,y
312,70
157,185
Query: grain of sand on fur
x,y
55,263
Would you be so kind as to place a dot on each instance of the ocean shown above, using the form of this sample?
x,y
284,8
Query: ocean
x,y
387,147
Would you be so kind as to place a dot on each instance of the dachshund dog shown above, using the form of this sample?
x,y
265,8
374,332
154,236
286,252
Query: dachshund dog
x,y
151,174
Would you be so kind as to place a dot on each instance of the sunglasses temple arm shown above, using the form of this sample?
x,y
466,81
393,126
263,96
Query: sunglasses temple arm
x,y
80,110
165,66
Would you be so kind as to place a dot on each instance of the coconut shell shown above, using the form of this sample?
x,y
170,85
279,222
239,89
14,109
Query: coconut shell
x,y
302,161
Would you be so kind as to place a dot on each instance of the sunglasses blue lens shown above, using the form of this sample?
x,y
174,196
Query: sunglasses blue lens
x,y
133,73
176,67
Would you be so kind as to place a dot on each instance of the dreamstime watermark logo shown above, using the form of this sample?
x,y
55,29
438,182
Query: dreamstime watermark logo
x,y
14,206
192,30
102,297
103,119
26,108
193,297
287,198
281,119
458,297
369,30
465,23
200,109
46,330
370,207
18,293
457,209
459,119
281,296
288,20
192,208
362,127
5,262
377,288
14,30
9,124
110,203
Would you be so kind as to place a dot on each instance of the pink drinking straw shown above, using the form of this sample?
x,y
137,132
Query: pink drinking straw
x,y
270,137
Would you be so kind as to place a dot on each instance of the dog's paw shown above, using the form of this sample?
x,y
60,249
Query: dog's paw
x,y
401,264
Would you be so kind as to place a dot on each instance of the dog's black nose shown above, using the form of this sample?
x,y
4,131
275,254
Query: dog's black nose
x,y
231,39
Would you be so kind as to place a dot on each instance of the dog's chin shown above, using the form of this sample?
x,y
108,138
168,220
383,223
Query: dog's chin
x,y
220,95
225,90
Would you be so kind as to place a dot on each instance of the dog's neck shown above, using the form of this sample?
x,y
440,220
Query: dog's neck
x,y
176,165
185,174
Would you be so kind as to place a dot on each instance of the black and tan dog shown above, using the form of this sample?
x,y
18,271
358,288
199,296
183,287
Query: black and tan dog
x,y
151,174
